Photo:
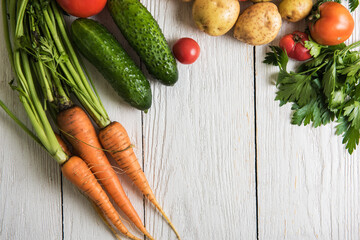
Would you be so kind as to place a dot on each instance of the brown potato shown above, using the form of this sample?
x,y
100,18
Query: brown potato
x,y
215,17
295,10
259,24
257,1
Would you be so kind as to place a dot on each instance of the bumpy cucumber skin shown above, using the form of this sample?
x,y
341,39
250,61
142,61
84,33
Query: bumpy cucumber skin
x,y
100,47
145,36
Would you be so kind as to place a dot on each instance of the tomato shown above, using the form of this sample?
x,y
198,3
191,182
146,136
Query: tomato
x,y
186,50
82,8
334,24
294,45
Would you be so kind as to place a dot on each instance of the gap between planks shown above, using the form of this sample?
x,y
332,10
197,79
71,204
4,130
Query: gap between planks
x,y
255,146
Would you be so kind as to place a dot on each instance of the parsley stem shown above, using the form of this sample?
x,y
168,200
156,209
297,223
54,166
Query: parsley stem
x,y
313,70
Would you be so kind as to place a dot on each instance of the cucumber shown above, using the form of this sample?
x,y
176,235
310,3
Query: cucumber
x,y
145,36
101,48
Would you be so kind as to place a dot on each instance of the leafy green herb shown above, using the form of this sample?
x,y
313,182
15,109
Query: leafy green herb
x,y
277,57
323,89
353,4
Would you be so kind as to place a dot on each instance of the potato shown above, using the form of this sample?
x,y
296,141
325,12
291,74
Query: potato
x,y
259,24
295,10
215,17
257,1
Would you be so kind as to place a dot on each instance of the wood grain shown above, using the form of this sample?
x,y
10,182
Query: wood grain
x,y
30,196
307,182
199,137
197,144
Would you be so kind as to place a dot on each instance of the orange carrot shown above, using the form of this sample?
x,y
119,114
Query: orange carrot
x,y
63,145
79,131
76,170
115,139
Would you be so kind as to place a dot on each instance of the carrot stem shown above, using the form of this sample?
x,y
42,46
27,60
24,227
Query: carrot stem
x,y
26,88
20,123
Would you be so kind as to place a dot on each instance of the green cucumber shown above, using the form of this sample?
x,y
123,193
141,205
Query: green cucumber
x,y
145,36
101,48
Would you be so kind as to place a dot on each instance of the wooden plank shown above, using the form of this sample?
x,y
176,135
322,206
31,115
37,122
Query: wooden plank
x,y
77,209
30,197
307,183
199,136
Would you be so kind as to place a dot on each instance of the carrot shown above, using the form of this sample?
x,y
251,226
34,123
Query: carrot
x,y
63,145
79,131
76,170
38,65
98,208
115,139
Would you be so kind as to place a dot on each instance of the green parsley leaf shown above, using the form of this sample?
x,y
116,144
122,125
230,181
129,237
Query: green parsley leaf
x,y
323,88
315,48
353,4
352,111
277,57
315,111
316,61
351,70
329,80
350,135
293,87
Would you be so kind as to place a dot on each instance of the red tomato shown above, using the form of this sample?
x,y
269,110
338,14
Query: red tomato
x,y
82,8
333,26
294,43
186,50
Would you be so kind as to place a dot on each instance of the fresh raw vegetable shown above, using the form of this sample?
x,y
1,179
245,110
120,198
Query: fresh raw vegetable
x,y
294,45
42,40
331,24
80,175
115,139
79,131
86,97
324,89
259,1
186,50
82,8
75,124
28,73
259,24
72,77
295,10
112,61
215,17
145,36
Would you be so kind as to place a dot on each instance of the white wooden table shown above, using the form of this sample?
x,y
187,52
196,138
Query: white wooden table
x,y
219,153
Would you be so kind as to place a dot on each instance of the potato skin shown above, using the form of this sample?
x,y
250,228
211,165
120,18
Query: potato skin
x,y
215,17
258,1
295,10
259,24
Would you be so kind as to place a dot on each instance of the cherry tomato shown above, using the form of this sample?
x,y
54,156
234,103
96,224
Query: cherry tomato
x,y
294,45
82,8
186,50
334,24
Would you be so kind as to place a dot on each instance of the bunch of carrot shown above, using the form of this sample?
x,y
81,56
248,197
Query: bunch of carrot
x,y
47,70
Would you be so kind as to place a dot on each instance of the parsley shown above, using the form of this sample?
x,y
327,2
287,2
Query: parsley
x,y
353,4
323,89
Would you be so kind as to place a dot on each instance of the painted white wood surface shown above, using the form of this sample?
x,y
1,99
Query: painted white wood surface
x,y
308,185
197,143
